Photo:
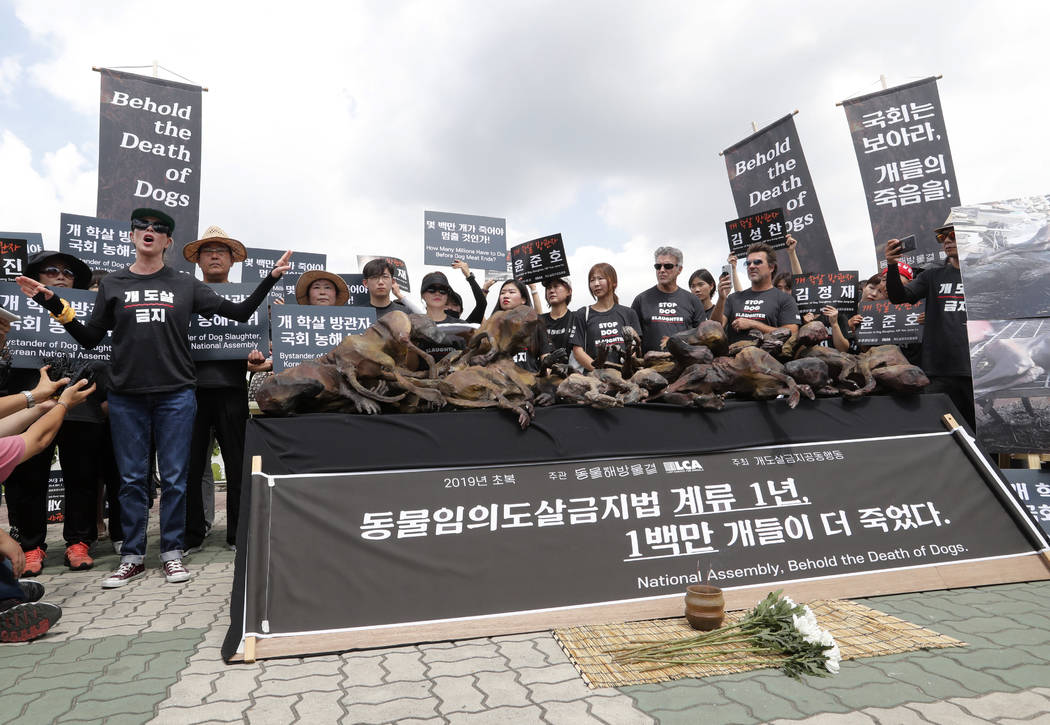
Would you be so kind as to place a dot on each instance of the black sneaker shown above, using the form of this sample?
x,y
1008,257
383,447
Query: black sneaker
x,y
124,573
31,590
26,621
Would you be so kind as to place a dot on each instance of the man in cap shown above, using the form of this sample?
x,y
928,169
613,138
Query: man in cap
x,y
222,401
945,346
666,309
78,441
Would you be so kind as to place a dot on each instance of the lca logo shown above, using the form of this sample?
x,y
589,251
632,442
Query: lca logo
x,y
685,466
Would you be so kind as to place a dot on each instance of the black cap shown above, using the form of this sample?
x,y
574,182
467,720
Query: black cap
x,y
160,216
81,272
435,279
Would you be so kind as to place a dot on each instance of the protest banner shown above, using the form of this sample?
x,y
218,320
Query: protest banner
x,y
480,241
400,269
769,168
220,338
304,332
906,165
764,226
1032,489
56,497
884,323
34,240
14,256
149,151
540,259
38,337
822,289
260,262
359,296
102,244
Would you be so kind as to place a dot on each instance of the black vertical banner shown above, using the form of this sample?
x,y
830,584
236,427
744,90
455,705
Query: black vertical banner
x,y
149,149
906,165
768,170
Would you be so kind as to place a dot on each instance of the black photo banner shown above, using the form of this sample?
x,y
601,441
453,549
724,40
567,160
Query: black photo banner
x,y
884,323
260,262
34,240
303,332
101,244
480,241
902,149
14,256
769,169
220,338
540,259
612,530
400,269
38,336
820,289
149,151
764,226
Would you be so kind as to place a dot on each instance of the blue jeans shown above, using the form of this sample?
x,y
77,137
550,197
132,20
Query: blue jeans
x,y
9,588
135,420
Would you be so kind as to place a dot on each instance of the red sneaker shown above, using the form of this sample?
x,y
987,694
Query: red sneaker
x,y
78,558
124,573
34,561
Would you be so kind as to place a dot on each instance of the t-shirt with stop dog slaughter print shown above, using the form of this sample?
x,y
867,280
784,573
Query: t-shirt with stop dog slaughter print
x,y
603,328
771,307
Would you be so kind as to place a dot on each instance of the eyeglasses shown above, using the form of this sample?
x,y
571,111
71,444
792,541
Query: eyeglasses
x,y
664,265
384,277
142,225
56,272
215,250
755,262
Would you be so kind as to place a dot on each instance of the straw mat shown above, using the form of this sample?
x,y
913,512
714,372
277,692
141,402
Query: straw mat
x,y
860,632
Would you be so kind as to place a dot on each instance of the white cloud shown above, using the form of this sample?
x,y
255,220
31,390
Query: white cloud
x,y
10,74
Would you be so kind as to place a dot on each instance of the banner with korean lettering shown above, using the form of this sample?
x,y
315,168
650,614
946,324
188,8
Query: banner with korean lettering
x,y
14,256
817,290
884,323
769,169
355,284
400,269
260,262
765,226
220,338
38,337
104,245
480,241
615,530
149,152
540,259
1032,489
34,241
304,332
906,165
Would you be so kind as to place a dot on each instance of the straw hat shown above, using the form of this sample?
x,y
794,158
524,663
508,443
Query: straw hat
x,y
302,287
215,234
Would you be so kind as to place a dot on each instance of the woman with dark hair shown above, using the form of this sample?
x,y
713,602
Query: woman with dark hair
x,y
784,282
702,284
601,323
514,294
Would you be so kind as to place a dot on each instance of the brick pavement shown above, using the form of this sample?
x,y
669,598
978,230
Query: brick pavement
x,y
149,652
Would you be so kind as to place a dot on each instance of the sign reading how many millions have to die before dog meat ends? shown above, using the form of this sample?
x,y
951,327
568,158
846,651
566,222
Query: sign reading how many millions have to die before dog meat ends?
x,y
480,241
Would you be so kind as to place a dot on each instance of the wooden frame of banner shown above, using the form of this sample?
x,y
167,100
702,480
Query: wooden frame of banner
x,y
1026,567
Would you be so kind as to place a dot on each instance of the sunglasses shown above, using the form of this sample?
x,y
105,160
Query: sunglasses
x,y
941,236
435,290
56,272
755,262
142,225
665,265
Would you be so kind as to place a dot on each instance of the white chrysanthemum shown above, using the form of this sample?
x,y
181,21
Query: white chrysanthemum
x,y
834,656
807,625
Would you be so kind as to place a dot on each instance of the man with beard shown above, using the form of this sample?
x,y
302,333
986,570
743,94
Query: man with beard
x,y
945,351
666,309
763,307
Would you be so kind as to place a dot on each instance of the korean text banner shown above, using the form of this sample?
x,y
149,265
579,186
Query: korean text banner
x,y
400,269
14,257
260,262
38,337
34,240
765,226
220,338
102,244
304,332
909,180
884,323
149,151
540,259
817,290
480,241
614,530
768,169
355,284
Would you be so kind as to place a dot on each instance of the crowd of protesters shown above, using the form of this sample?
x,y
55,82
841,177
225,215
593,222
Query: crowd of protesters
x,y
153,407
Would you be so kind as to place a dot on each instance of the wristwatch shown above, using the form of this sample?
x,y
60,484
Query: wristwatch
x,y
30,402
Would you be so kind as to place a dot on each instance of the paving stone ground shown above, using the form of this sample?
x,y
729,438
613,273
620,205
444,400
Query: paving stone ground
x,y
149,653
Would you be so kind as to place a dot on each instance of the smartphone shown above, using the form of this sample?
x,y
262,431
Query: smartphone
x,y
726,270
908,244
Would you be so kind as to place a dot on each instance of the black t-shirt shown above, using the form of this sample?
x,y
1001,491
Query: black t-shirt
x,y
222,373
771,307
663,314
394,305
592,328
150,318
945,346
90,411
559,331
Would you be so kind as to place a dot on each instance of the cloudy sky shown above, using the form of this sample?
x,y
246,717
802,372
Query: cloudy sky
x,y
331,127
